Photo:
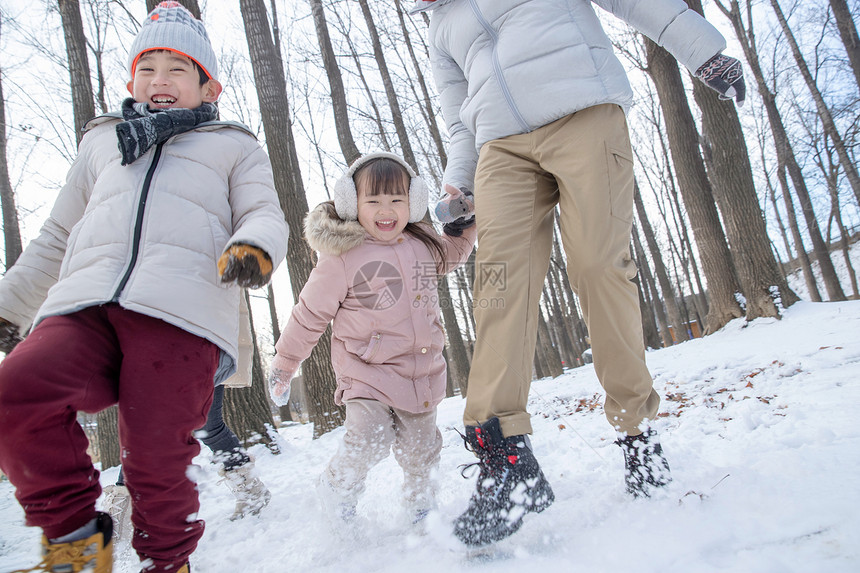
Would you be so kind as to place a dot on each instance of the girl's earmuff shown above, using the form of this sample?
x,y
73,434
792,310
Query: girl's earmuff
x,y
346,195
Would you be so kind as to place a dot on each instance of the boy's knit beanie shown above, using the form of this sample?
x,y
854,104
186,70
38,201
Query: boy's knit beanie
x,y
170,26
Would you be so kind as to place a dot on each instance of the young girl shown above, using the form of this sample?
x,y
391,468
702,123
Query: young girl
x,y
376,280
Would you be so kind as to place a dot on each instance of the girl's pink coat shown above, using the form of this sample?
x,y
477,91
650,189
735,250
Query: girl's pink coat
x,y
387,337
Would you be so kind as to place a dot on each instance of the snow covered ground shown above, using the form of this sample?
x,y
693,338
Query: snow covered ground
x,y
758,422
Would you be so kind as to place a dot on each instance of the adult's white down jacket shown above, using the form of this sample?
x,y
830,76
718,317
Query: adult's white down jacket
x,y
505,67
148,235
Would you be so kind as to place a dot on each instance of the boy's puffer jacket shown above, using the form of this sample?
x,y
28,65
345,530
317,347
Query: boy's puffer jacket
x,y
387,338
208,188
531,62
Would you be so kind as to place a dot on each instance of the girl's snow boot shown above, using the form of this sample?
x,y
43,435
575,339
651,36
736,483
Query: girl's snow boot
x,y
251,494
117,502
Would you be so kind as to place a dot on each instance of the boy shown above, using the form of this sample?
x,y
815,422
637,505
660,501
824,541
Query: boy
x,y
165,214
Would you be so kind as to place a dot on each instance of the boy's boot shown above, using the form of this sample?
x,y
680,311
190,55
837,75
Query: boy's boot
x,y
117,502
645,468
251,494
93,554
510,484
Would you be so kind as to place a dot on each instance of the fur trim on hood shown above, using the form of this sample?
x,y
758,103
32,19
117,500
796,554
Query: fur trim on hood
x,y
329,234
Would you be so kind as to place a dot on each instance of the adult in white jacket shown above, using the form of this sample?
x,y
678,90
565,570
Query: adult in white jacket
x,y
534,100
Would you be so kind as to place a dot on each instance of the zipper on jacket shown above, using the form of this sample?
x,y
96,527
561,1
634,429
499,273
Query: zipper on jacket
x,y
497,67
138,223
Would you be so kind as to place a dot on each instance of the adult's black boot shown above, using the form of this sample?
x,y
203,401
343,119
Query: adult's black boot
x,y
645,467
510,485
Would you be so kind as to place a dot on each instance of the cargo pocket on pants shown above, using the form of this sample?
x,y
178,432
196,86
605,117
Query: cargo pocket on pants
x,y
619,166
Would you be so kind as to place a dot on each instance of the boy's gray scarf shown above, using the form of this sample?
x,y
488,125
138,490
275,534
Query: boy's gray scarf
x,y
144,128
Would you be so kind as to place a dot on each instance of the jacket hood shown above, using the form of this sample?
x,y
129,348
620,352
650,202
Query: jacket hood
x,y
424,5
327,233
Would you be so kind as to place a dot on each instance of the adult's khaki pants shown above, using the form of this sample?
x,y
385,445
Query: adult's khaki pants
x,y
583,163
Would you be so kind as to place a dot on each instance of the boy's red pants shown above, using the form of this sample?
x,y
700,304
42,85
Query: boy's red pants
x,y
162,378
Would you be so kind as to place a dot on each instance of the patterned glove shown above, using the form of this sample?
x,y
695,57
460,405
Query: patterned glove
x,y
9,336
725,75
249,266
457,211
281,372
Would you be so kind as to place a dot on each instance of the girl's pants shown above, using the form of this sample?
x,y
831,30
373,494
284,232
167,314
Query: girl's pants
x,y
161,377
372,428
583,163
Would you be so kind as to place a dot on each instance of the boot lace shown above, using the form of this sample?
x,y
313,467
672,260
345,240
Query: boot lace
x,y
74,554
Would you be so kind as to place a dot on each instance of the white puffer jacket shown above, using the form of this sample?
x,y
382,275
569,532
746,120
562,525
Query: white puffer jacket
x,y
148,235
505,67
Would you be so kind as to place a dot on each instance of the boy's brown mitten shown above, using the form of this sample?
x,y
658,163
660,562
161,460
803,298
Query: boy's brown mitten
x,y
249,266
9,336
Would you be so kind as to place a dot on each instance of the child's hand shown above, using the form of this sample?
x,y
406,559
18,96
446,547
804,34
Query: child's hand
x,y
457,211
249,266
281,372
9,336
458,204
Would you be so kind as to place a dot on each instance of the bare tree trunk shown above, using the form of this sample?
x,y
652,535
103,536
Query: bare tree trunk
x,y
283,411
669,297
566,348
376,116
784,151
84,110
246,410
338,95
728,162
396,114
695,188
79,67
449,380
650,334
686,256
830,171
802,258
848,33
99,14
823,110
108,438
660,313
799,247
771,192
429,112
190,4
550,356
458,361
11,227
269,77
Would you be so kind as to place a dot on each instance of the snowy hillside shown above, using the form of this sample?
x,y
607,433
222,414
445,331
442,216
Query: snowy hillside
x,y
757,421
